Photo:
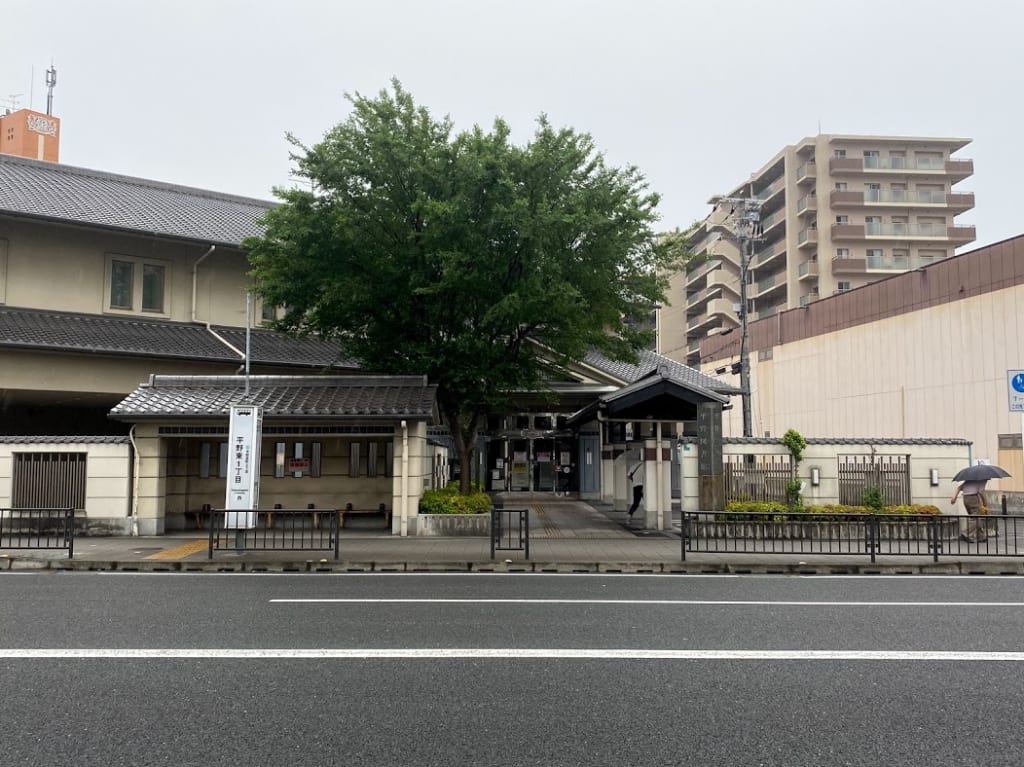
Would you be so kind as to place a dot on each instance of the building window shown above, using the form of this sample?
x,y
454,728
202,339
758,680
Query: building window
x,y
268,313
152,288
136,285
842,252
839,153
842,219
121,281
840,186
842,286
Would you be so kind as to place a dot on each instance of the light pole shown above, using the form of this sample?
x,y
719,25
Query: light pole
x,y
745,220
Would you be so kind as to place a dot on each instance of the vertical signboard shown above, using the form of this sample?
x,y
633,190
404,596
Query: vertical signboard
x,y
243,468
711,480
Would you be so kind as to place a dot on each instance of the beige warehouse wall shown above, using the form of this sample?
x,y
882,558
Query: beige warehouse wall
x,y
937,372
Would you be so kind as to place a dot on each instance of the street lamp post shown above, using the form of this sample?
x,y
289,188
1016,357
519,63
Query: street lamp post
x,y
745,218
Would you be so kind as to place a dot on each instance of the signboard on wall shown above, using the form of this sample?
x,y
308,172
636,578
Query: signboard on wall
x,y
1015,387
242,496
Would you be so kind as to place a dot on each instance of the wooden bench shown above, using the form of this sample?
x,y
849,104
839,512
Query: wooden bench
x,y
350,509
310,506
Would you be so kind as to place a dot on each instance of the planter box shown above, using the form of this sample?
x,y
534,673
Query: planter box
x,y
893,530
453,525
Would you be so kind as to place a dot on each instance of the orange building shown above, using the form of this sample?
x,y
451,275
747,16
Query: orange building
x,y
31,134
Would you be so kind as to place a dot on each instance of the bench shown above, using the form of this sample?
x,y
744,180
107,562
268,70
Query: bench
x,y
200,514
350,509
310,506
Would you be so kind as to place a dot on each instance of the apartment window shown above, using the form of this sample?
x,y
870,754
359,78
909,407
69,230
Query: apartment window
x,y
872,192
839,153
871,159
842,252
897,159
900,225
842,286
136,285
840,186
842,219
872,224
268,313
933,225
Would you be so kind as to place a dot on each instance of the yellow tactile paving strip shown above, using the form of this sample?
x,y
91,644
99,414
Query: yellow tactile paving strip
x,y
184,550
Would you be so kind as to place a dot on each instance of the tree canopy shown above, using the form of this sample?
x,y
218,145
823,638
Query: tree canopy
x,y
462,256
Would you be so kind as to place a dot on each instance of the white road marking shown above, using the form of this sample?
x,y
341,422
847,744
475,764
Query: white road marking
x,y
511,653
656,602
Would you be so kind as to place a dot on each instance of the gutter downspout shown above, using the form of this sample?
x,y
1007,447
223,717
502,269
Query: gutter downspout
x,y
135,483
405,479
195,280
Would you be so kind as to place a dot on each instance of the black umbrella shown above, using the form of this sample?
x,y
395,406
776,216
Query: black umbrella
x,y
980,472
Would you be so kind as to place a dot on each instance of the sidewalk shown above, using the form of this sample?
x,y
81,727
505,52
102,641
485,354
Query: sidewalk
x,y
566,536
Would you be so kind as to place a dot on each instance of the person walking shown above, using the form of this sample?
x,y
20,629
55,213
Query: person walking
x,y
975,504
637,478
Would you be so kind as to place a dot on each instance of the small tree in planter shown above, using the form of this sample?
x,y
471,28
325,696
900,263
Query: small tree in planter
x,y
796,444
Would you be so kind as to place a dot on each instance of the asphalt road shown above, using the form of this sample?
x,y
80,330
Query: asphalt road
x,y
440,669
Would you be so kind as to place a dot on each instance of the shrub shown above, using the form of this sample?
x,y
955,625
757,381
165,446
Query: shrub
x,y
447,500
873,498
774,507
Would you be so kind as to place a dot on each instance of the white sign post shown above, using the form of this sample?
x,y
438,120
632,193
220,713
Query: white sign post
x,y
243,468
1015,387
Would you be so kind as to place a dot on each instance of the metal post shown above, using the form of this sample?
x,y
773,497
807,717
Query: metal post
x,y
745,246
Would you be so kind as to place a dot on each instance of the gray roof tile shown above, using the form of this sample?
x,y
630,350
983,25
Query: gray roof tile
x,y
91,333
649,361
281,396
68,194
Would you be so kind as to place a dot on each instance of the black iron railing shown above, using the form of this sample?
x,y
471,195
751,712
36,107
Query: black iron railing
x,y
997,535
38,529
510,530
275,530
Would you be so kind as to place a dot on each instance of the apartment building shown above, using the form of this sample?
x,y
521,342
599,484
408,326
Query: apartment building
x,y
831,213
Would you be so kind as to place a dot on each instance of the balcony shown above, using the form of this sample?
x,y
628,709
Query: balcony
x,y
847,231
811,295
958,201
808,202
841,198
772,225
697,278
902,231
808,270
849,265
771,190
770,285
807,238
723,279
957,169
769,254
806,173
838,166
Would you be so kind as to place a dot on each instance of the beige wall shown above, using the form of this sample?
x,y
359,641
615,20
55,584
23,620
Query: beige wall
x,y
65,269
938,372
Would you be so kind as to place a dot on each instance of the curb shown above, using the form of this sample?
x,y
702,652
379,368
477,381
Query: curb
x,y
516,566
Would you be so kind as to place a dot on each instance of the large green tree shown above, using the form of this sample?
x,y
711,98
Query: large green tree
x,y
463,256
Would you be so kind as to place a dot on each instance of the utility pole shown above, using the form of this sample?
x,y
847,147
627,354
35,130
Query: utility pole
x,y
745,221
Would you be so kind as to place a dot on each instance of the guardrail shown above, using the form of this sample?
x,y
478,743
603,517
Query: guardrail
x,y
872,535
38,528
510,530
289,530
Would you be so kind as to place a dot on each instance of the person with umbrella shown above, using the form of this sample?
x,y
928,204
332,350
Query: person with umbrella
x,y
972,487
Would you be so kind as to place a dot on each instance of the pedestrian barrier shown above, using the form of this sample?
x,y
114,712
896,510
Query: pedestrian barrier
x,y
38,529
510,530
290,530
872,535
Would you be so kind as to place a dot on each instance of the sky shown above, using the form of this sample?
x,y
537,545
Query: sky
x,y
696,95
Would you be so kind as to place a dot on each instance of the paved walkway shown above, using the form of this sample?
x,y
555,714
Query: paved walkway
x,y
566,536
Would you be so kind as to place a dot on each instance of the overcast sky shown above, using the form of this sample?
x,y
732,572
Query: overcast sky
x,y
697,95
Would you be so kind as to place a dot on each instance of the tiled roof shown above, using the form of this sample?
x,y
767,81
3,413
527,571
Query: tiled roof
x,y
281,396
91,333
63,439
650,361
93,198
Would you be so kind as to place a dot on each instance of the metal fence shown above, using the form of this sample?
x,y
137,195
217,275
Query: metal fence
x,y
869,535
277,530
38,529
755,477
510,530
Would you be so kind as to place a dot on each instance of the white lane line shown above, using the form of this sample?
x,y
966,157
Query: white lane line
x,y
503,653
700,602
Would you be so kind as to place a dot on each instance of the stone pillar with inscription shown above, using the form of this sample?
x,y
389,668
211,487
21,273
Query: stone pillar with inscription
x,y
709,456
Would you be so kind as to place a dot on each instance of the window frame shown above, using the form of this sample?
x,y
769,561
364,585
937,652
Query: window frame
x,y
141,269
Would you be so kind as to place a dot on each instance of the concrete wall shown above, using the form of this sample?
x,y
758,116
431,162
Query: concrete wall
x,y
108,484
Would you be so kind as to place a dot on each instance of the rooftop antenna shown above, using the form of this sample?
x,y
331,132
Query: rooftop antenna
x,y
12,102
51,81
